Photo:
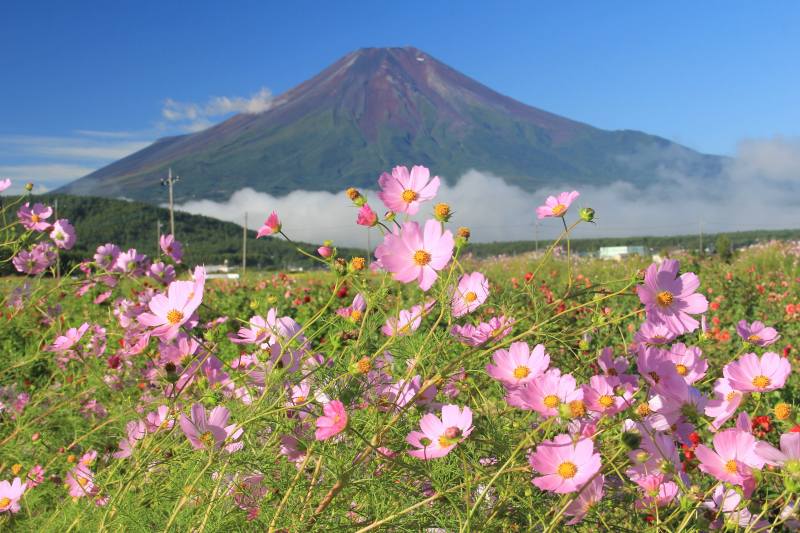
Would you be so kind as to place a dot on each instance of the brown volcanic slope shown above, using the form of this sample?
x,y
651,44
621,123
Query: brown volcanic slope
x,y
378,107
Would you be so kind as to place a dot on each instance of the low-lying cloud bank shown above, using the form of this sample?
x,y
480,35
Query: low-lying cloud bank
x,y
759,189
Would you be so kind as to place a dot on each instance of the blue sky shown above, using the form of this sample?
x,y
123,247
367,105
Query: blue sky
x,y
87,82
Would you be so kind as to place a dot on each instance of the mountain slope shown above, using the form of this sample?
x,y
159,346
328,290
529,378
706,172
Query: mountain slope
x,y
379,107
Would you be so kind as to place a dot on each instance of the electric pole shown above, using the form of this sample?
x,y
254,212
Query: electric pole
x,y
701,237
58,253
158,238
169,181
244,245
536,234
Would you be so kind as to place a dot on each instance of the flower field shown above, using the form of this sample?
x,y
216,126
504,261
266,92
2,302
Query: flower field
x,y
417,390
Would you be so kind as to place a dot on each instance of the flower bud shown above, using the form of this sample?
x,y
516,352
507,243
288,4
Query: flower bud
x,y
389,216
631,440
586,214
356,196
441,212
366,216
29,186
340,265
325,251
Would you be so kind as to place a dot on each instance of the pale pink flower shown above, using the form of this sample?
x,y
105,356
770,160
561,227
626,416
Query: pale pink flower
x,y
518,365
610,365
733,458
725,403
590,494
366,216
602,395
10,494
63,234
159,419
566,466
403,192
655,366
471,292
789,452
210,432
412,254
171,247
546,393
728,502
69,339
80,481
494,330
271,226
688,362
657,491
5,184
672,299
757,333
35,218
356,309
750,373
439,436
407,321
136,431
654,333
556,206
169,312
332,422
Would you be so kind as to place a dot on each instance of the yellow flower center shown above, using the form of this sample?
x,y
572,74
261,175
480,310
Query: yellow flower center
x,y
567,470
441,210
422,258
364,365
783,411
682,370
577,408
605,400
355,314
754,338
82,481
551,401
470,297
664,298
730,396
15,469
559,210
643,409
5,502
207,438
300,399
35,218
761,382
409,196
521,372
174,316
358,263
731,467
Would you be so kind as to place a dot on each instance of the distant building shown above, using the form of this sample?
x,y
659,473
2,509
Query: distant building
x,y
618,252
220,271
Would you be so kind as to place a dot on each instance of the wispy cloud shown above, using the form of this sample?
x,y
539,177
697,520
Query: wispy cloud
x,y
759,189
191,116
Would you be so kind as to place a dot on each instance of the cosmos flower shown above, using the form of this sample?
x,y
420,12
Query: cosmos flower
x,y
412,254
332,422
733,458
602,396
171,247
789,452
471,292
725,404
63,234
518,365
671,299
565,466
209,431
494,330
356,309
5,184
271,226
35,218
546,393
750,373
654,333
757,333
407,320
439,436
556,206
10,494
591,493
366,216
403,192
169,312
688,363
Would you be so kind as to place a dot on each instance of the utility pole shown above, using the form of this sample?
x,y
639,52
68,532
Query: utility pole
x,y
158,238
58,254
536,234
169,181
701,238
244,245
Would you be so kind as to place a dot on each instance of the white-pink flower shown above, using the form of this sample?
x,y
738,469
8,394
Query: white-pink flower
x,y
403,192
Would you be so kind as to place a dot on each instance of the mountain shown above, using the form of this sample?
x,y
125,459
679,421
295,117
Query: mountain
x,y
379,107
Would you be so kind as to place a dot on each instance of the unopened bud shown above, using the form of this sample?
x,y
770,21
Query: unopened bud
x,y
389,216
464,233
586,214
631,440
355,196
325,251
340,265
29,186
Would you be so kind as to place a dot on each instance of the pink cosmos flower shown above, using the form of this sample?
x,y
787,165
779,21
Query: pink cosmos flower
x,y
403,192
733,458
556,206
35,218
658,370
518,365
80,481
171,247
5,184
205,432
688,363
566,466
412,254
69,339
657,492
356,309
439,436
136,431
757,333
654,333
10,494
494,330
789,452
271,226
159,419
725,404
546,393
106,255
163,273
63,234
671,299
332,422
407,321
36,260
727,501
366,216
602,396
472,291
169,312
751,374
591,493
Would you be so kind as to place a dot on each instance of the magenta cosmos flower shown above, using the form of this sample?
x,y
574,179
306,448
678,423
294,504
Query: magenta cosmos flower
x,y
366,216
671,299
471,292
412,254
271,226
756,333
439,436
751,374
733,458
546,393
35,218
332,422
171,247
518,365
10,494
566,466
403,192
556,206
209,431
169,312
63,234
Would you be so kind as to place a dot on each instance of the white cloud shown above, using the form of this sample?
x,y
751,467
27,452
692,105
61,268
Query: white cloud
x,y
68,148
191,116
759,189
